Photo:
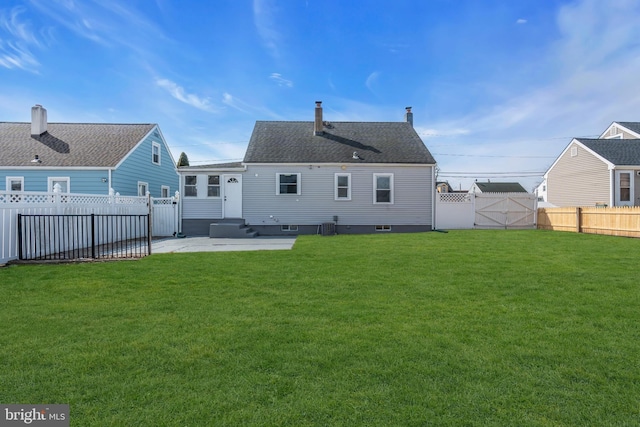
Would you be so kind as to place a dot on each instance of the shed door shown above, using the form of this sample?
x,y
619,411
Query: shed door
x,y
233,196
624,188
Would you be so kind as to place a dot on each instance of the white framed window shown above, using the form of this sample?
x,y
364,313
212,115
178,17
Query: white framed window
x,y
191,186
288,183
574,151
143,187
164,191
342,186
383,228
155,153
64,183
289,228
383,188
213,186
15,183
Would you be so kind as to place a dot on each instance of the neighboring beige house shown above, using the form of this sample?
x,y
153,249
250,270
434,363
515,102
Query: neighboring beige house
x,y
592,172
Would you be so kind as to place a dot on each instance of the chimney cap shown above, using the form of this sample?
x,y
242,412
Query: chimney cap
x,y
318,103
408,109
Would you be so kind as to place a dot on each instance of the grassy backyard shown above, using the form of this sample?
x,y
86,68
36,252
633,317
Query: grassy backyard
x,y
523,328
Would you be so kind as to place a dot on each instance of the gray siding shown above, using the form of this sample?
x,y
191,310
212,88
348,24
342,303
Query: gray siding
x,y
413,189
583,180
201,208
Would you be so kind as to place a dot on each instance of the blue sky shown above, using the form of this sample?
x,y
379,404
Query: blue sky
x,y
498,87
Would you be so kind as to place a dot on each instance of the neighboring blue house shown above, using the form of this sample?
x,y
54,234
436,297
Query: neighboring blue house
x,y
85,158
302,177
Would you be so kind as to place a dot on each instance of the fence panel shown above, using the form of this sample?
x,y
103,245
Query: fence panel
x,y
56,203
613,221
67,237
455,211
505,210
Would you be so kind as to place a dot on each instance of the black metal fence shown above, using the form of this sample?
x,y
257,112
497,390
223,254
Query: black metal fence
x,y
94,236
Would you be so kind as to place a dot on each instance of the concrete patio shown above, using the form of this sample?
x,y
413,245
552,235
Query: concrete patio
x,y
208,244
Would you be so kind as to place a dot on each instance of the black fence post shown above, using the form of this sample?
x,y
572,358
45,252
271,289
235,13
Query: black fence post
x,y
20,237
149,234
93,236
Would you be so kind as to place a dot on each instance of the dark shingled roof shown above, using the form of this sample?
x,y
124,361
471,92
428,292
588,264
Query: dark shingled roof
x,y
69,144
632,126
230,165
617,151
374,142
500,187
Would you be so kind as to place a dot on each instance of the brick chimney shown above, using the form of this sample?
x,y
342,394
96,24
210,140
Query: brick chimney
x,y
317,126
408,117
38,120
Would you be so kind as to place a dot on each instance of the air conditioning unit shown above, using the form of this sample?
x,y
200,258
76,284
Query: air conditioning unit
x,y
328,228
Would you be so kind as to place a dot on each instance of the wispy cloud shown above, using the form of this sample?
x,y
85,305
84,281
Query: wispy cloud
x,y
112,23
281,81
521,21
255,110
15,49
372,79
264,20
181,95
583,95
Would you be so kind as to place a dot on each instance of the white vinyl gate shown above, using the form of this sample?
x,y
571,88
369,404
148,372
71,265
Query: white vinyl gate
x,y
164,216
505,210
485,210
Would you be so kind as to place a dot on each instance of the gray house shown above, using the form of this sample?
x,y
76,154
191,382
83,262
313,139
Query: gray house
x,y
298,177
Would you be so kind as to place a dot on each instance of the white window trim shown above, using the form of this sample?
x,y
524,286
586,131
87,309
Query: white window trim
x,y
165,187
14,178
51,179
146,184
375,183
335,187
153,146
184,187
574,151
298,184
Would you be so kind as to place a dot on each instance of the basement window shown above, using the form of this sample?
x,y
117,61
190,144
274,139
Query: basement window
x,y
383,228
289,228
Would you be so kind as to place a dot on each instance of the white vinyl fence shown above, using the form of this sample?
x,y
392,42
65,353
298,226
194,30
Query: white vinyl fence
x,y
485,210
164,213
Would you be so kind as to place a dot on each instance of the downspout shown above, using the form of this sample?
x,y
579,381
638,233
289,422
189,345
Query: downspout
x,y
433,197
110,186
612,187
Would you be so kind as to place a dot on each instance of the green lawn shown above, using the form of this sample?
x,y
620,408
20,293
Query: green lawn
x,y
522,328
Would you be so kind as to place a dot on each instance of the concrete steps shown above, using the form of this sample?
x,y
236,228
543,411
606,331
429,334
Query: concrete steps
x,y
231,228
